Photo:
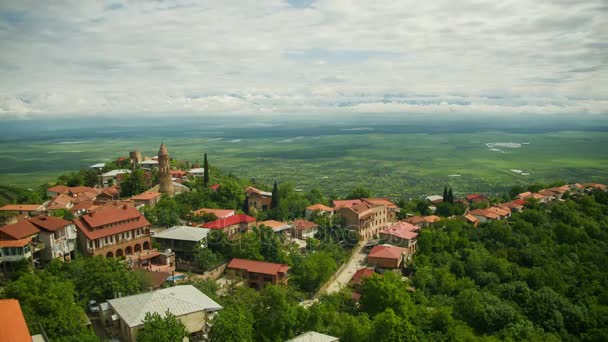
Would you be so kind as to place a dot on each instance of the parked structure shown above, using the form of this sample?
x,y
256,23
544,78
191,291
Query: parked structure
x,y
259,273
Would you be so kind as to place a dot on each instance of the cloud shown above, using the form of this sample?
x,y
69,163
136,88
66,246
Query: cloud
x,y
299,56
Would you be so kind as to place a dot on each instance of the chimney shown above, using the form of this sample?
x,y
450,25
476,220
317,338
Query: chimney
x,y
124,206
92,213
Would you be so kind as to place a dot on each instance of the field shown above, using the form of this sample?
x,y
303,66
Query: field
x,y
392,160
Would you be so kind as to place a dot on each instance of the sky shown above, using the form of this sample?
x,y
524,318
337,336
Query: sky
x,y
303,57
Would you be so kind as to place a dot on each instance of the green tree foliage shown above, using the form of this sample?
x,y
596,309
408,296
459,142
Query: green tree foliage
x,y
313,270
276,196
450,196
359,192
206,259
445,194
206,173
133,184
232,324
388,326
64,214
389,291
48,300
157,328
276,315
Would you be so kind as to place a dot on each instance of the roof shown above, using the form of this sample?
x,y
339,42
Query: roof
x,y
432,218
251,189
98,165
471,218
106,215
499,211
156,279
313,336
360,275
485,213
345,203
110,214
219,213
162,149
261,267
276,226
83,205
110,192
80,189
184,233
49,223
61,200
525,195
60,189
386,252
434,198
115,173
475,196
415,219
319,207
14,328
20,230
22,207
14,243
197,170
179,300
303,225
229,221
402,230
380,201
146,196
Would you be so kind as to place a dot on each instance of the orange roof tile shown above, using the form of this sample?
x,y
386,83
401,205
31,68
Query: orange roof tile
x,y
471,218
49,223
402,230
360,275
219,213
273,224
60,189
110,214
229,221
380,201
22,207
319,207
146,196
14,328
432,218
303,225
258,266
386,252
15,243
20,230
345,203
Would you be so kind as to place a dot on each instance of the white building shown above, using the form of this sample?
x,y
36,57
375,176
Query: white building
x,y
198,172
113,177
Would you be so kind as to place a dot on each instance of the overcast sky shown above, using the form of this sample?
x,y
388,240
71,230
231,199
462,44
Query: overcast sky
x,y
300,56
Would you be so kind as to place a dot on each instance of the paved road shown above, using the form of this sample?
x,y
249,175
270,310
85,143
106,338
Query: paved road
x,y
355,263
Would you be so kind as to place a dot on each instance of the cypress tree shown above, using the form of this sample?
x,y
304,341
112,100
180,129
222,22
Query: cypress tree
x,y
450,196
445,194
275,196
206,174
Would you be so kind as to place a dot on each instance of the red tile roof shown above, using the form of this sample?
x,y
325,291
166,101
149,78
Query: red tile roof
x,y
402,230
229,221
49,223
110,214
273,224
80,189
360,275
485,213
386,252
525,195
319,207
20,230
219,213
303,225
261,267
475,196
432,218
415,219
345,203
14,328
60,189
251,189
146,196
380,201
471,218
15,243
22,207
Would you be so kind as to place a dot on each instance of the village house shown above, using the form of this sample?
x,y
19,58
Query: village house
x,y
401,234
257,274
515,205
392,208
258,199
502,212
232,225
366,219
124,316
113,177
56,190
60,202
149,164
197,172
477,198
113,232
98,166
182,240
147,198
318,208
11,213
423,221
219,213
58,236
20,241
108,194
357,279
386,256
303,229
276,226
474,221
484,215
434,199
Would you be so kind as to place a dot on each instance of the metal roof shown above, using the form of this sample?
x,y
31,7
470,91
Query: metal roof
x,y
185,233
313,336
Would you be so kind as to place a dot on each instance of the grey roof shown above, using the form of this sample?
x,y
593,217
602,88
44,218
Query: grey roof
x,y
179,300
197,170
116,172
313,336
98,165
184,233
148,162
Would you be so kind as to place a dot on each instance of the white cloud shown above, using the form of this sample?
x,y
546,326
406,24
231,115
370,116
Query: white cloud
x,y
520,56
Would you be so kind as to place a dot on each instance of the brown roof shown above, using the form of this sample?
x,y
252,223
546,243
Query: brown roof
x,y
386,252
22,207
319,207
60,189
62,200
471,218
432,218
485,213
110,192
304,225
14,328
83,205
110,214
229,221
251,189
80,189
415,219
402,230
261,267
360,275
156,279
49,223
219,213
345,203
273,224
381,201
499,211
146,196
15,243
20,230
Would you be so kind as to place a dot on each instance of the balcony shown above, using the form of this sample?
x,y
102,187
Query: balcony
x,y
122,245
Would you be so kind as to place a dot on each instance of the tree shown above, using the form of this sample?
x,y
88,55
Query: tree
x,y
133,183
207,259
389,327
232,324
313,270
64,214
206,172
445,194
359,192
389,291
450,196
276,314
157,328
274,203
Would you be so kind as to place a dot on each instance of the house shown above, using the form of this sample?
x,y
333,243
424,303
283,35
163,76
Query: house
x,y
232,225
366,219
108,194
313,336
484,215
513,206
125,315
147,198
476,198
471,219
435,199
197,172
98,166
15,250
401,234
56,190
359,275
345,203
82,191
258,199
386,256
58,236
113,177
321,209
149,164
259,273
502,212
392,208
219,213
61,201
178,174
20,241
14,328
183,240
303,229
11,213
83,207
276,226
113,231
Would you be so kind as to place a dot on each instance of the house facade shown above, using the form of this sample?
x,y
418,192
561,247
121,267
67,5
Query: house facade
x,y
386,256
303,229
113,232
21,241
258,199
182,240
365,219
58,236
257,274
401,234
148,198
232,225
